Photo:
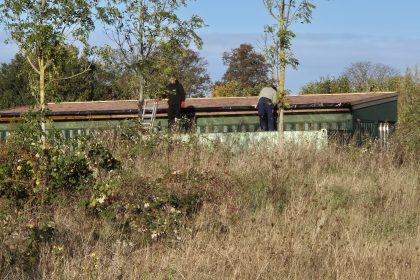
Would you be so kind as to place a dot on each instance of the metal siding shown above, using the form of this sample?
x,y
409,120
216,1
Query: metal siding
x,y
316,121
332,121
293,122
378,113
88,124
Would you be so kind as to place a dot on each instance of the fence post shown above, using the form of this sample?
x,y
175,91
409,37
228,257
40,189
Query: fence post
x,y
358,133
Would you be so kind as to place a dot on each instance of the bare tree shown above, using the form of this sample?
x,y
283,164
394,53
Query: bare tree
x,y
365,76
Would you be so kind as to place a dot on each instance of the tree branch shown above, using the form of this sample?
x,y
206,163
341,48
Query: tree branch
x,y
269,6
73,76
32,65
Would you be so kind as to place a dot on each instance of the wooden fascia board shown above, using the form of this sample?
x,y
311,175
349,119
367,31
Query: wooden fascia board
x,y
75,118
317,110
164,115
93,117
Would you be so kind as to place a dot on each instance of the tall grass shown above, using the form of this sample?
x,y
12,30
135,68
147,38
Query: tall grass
x,y
299,213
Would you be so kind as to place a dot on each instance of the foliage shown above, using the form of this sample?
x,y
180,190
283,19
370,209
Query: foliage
x,y
191,71
157,216
32,171
409,108
92,85
246,74
42,28
103,81
234,88
14,83
279,36
327,85
358,77
140,28
245,66
184,64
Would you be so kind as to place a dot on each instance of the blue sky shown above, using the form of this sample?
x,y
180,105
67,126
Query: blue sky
x,y
341,32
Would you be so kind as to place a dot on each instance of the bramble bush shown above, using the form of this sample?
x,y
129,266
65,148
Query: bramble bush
x,y
32,170
83,174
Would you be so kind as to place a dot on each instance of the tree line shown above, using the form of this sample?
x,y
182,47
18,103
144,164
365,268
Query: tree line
x,y
56,62
104,80
149,37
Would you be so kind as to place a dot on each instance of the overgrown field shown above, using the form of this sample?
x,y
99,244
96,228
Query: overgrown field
x,y
127,207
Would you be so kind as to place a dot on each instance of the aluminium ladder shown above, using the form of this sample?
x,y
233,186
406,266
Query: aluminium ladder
x,y
148,114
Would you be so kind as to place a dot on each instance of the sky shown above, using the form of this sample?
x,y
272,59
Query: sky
x,y
341,32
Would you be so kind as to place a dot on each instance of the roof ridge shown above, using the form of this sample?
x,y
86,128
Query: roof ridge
x,y
97,101
226,97
349,93
223,97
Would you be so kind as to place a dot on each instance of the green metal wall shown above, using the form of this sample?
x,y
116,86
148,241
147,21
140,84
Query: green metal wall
x,y
71,128
292,122
386,112
298,121
316,121
220,124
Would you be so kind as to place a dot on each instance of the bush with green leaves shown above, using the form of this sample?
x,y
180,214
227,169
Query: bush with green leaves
x,y
30,169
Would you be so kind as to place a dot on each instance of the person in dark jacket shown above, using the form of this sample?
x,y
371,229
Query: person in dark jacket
x,y
176,100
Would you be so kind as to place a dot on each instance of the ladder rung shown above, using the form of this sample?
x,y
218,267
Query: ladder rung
x,y
148,115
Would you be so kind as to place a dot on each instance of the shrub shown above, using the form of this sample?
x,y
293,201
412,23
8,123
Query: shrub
x,y
31,169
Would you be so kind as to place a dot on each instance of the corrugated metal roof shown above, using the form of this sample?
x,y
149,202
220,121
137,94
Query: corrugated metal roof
x,y
206,104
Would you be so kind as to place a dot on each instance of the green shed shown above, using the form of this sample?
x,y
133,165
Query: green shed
x,y
349,112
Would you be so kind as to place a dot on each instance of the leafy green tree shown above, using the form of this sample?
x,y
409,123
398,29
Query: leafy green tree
x,y
186,65
14,83
247,71
41,28
245,66
192,72
233,88
101,82
328,85
68,63
278,50
142,27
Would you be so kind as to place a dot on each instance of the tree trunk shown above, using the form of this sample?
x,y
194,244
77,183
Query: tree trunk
x,y
281,81
141,56
42,98
141,96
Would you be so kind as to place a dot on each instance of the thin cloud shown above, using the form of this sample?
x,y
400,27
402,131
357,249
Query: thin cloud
x,y
322,37
320,54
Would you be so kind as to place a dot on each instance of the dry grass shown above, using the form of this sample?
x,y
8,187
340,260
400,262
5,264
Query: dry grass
x,y
300,213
